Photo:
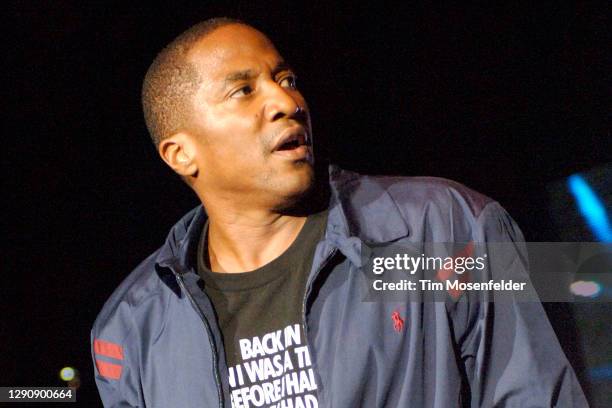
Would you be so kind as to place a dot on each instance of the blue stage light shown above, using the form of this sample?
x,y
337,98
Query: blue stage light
x,y
591,207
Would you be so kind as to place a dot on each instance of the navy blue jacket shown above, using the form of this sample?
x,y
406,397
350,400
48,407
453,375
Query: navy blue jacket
x,y
156,342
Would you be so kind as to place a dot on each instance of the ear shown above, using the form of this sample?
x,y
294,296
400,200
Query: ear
x,y
178,151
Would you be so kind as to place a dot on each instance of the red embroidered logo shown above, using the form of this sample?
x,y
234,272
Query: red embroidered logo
x,y
398,322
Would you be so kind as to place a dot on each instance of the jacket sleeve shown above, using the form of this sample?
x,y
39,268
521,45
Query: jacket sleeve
x,y
115,361
510,353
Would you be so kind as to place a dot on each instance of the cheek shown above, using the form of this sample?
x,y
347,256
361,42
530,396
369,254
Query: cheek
x,y
237,132
230,121
232,150
232,138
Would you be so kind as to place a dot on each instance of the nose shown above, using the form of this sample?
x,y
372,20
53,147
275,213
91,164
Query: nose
x,y
281,103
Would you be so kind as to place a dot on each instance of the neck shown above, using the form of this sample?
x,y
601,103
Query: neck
x,y
244,235
240,241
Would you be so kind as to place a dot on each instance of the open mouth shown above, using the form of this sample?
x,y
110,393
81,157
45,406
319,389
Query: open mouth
x,y
293,142
292,139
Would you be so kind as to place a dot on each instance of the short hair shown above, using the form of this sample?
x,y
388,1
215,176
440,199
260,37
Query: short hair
x,y
172,79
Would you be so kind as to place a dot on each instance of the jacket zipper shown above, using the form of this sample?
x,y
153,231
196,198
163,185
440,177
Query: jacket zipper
x,y
181,283
307,293
179,279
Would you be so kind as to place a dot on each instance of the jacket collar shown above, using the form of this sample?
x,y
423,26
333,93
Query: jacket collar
x,y
361,213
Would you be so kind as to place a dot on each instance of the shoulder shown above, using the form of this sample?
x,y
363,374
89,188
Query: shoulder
x,y
146,281
128,305
410,191
430,207
117,317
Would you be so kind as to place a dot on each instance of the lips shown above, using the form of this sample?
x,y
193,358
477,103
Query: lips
x,y
292,138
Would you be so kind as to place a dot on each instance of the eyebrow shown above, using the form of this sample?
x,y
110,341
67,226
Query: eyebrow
x,y
238,76
280,67
248,74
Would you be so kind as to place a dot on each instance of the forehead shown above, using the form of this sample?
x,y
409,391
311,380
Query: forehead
x,y
232,48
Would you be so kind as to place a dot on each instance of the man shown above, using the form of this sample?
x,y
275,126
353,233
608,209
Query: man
x,y
255,298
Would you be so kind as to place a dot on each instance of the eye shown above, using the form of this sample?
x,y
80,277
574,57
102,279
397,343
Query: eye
x,y
242,92
288,82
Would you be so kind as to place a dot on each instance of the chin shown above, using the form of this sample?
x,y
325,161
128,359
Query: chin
x,y
302,181
295,187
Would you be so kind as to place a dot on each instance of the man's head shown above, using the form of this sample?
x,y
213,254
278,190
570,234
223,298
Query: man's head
x,y
222,107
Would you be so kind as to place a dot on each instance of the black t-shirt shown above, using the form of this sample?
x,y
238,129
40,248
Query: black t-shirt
x,y
260,316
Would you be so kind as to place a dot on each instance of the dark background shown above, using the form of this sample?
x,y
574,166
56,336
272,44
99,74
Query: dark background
x,y
505,99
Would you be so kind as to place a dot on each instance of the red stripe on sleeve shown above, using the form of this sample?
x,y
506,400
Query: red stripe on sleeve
x,y
109,370
108,349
